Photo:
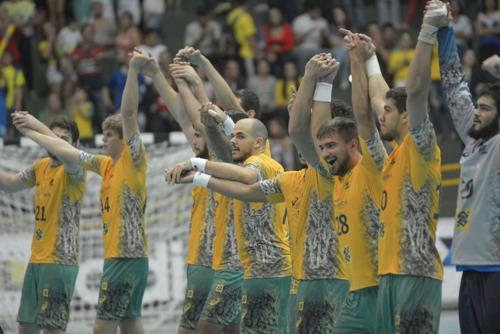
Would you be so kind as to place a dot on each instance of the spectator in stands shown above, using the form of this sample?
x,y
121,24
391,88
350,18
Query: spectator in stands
x,y
132,7
310,30
278,38
105,27
232,75
114,89
175,6
389,11
399,60
81,111
128,37
56,13
355,13
153,11
152,44
52,111
204,34
461,26
87,59
488,29
288,83
12,83
264,85
68,38
375,32
471,72
49,55
337,45
244,32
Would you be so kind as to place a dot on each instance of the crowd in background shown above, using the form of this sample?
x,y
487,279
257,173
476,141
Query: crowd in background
x,y
70,57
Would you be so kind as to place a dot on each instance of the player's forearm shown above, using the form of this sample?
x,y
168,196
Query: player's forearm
x,y
360,103
231,172
418,84
300,116
199,92
63,150
219,144
166,92
223,92
9,183
241,191
454,85
191,105
130,97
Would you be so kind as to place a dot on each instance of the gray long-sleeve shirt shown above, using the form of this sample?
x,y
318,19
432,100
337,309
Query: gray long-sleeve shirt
x,y
476,240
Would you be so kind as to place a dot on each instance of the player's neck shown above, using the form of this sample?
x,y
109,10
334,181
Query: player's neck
x,y
401,135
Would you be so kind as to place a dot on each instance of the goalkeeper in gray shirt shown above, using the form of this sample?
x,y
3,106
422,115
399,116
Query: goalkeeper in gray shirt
x,y
476,241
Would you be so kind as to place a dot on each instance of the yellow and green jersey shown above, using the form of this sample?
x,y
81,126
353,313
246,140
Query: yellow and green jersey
x,y
410,206
226,255
314,241
58,199
357,197
201,229
123,199
262,229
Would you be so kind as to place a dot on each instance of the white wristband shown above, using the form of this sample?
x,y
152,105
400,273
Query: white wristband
x,y
201,179
428,34
372,66
228,126
198,164
323,92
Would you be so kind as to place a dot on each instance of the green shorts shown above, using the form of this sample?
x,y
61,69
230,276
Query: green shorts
x,y
199,280
292,310
223,305
265,303
318,304
122,287
357,314
46,295
408,304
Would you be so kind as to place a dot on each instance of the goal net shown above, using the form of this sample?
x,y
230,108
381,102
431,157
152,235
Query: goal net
x,y
167,218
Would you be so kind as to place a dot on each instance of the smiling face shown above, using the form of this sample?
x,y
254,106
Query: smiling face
x,y
336,152
486,119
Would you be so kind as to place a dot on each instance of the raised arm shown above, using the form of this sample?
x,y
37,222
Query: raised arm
x,y
365,118
63,150
24,119
224,94
130,98
299,126
217,141
454,85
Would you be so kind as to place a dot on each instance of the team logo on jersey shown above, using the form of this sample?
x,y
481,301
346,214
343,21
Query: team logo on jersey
x,y
38,234
347,254
467,189
462,219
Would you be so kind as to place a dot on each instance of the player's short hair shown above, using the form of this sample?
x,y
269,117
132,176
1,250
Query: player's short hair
x,y
236,115
256,127
343,126
339,108
399,96
65,123
492,90
114,123
249,101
